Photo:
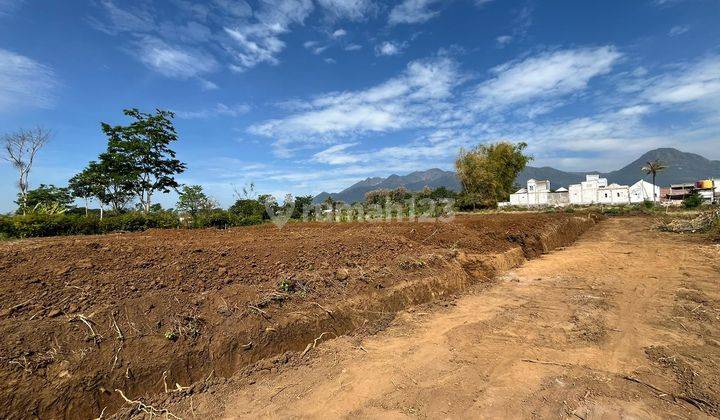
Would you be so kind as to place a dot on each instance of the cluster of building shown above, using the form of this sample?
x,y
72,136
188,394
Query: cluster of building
x,y
596,190
708,189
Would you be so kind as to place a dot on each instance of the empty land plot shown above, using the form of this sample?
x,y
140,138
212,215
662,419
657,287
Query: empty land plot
x,y
83,318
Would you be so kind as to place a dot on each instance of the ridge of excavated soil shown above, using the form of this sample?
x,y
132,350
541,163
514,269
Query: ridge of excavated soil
x,y
622,324
85,316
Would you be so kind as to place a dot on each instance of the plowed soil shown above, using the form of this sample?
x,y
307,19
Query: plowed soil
x,y
84,318
623,324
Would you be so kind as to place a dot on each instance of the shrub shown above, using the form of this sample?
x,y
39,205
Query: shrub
x,y
248,221
249,208
648,204
469,202
614,211
217,218
692,201
39,225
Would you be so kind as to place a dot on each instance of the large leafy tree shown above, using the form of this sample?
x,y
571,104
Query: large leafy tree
x,y
143,147
303,204
106,180
488,171
193,200
86,187
248,207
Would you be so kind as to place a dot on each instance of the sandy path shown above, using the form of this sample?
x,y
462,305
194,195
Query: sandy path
x,y
558,337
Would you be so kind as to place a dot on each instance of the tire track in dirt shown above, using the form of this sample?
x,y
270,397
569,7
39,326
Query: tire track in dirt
x,y
585,332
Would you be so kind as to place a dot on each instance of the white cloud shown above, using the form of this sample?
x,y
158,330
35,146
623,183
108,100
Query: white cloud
x,y
481,3
348,9
25,82
247,37
335,155
413,11
235,8
219,110
545,76
120,20
696,82
678,30
388,48
415,98
353,47
208,85
504,40
172,61
260,41
339,33
426,112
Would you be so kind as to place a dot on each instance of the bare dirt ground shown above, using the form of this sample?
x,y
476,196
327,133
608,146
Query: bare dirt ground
x,y
622,324
85,318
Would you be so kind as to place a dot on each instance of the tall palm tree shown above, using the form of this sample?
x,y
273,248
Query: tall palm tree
x,y
652,168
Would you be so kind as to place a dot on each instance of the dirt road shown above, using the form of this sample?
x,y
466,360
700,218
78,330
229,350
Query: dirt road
x,y
622,324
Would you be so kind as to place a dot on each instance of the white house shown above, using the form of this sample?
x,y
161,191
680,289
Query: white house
x,y
595,190
614,194
586,192
538,193
643,191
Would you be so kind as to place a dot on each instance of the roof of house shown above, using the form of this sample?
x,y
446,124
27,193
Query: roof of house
x,y
561,189
521,191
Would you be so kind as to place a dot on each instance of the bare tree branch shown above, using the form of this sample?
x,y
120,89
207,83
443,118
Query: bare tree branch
x,y
20,150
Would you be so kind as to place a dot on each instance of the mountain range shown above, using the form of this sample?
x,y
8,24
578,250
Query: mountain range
x,y
681,167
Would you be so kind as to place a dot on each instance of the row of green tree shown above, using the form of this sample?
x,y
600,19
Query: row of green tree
x,y
139,163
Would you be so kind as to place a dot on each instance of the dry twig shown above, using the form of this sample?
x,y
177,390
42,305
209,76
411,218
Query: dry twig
x,y
95,337
149,409
329,312
120,335
263,313
314,343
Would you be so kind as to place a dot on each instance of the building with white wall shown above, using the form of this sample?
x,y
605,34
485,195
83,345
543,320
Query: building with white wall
x,y
538,193
643,191
594,190
586,192
614,194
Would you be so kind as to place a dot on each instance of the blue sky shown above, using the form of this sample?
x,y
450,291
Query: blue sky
x,y
307,96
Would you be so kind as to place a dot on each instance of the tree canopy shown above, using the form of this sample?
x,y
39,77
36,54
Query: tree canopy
x,y
193,200
45,197
143,149
488,171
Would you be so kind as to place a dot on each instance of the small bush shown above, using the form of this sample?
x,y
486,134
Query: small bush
x,y
471,202
613,211
648,204
39,225
692,201
217,218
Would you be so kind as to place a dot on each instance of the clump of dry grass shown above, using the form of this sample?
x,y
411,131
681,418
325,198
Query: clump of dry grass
x,y
707,221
